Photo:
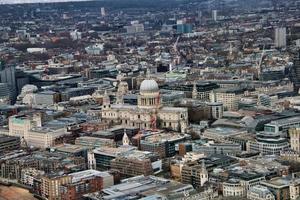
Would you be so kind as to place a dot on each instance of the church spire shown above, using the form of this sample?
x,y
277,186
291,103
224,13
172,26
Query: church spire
x,y
195,92
203,166
106,100
125,139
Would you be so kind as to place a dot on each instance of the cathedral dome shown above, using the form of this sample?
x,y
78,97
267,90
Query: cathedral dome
x,y
149,86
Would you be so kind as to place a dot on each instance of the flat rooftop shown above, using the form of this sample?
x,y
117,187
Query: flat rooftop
x,y
113,152
70,148
284,121
163,137
278,182
77,176
224,131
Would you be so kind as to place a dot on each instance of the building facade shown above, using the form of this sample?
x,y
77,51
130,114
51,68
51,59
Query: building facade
x,y
194,174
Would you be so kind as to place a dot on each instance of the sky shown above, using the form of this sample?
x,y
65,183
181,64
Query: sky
x,y
33,1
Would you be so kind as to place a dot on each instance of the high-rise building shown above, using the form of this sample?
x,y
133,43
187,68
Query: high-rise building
x,y
215,15
8,76
5,95
280,37
103,12
199,15
295,73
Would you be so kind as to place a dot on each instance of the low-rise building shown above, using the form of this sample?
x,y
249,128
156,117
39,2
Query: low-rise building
x,y
194,174
268,144
162,143
103,156
29,174
145,187
84,182
50,185
136,163
259,192
94,142
8,143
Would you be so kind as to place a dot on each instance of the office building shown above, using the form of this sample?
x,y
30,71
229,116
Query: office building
x,y
215,15
103,13
94,142
140,187
233,188
240,182
195,174
85,182
201,89
71,150
268,144
281,126
219,148
30,129
46,98
216,110
104,155
259,192
162,143
135,28
230,97
51,184
295,72
5,94
136,163
279,186
8,76
13,164
280,37
184,28
29,174
8,143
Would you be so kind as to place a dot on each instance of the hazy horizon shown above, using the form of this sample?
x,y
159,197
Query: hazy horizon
x,y
35,1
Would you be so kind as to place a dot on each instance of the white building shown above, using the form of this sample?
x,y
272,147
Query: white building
x,y
103,13
75,35
268,144
30,129
233,188
259,192
108,179
230,97
95,49
280,37
36,50
135,28
215,15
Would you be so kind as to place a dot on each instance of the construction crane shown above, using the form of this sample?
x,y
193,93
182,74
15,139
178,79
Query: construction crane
x,y
175,49
258,67
175,44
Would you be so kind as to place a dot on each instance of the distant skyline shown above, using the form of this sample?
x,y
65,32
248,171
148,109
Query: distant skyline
x,y
35,1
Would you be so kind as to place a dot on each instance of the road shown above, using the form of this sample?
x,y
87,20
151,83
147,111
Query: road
x,y
15,193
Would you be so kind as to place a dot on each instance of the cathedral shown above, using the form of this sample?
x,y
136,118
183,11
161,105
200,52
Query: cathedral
x,y
149,114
